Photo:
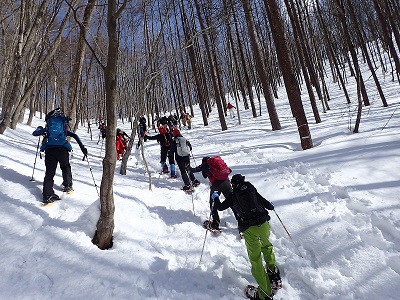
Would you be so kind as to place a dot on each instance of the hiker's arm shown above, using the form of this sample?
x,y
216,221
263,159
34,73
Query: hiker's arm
x,y
197,169
78,140
268,205
149,137
218,205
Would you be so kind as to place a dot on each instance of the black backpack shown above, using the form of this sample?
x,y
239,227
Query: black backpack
x,y
247,205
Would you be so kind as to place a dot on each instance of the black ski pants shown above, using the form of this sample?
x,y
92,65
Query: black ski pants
x,y
183,162
223,187
53,156
164,152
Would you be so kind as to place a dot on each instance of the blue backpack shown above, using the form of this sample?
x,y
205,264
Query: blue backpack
x,y
56,128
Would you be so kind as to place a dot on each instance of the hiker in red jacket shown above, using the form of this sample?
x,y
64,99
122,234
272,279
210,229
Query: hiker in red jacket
x,y
230,108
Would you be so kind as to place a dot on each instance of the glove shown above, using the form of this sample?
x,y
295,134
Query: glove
x,y
84,151
214,196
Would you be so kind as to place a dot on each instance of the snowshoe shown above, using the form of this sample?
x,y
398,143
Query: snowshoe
x,y
68,189
195,183
251,292
187,189
49,200
211,227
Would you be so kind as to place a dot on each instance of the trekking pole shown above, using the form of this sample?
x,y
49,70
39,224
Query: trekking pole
x,y
193,157
289,234
191,186
205,237
101,148
193,204
159,175
90,168
34,164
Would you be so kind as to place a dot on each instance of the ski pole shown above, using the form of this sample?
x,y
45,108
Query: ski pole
x,y
34,164
289,234
90,168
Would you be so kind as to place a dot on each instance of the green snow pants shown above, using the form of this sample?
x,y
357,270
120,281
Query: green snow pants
x,y
257,243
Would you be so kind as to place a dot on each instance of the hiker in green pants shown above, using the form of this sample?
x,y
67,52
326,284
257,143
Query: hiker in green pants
x,y
250,210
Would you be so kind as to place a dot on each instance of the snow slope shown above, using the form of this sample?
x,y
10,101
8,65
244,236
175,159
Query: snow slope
x,y
339,201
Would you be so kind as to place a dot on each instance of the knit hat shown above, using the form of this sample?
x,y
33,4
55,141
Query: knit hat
x,y
176,132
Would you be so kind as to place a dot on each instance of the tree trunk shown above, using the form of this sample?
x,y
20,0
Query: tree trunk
x,y
103,236
289,77
260,66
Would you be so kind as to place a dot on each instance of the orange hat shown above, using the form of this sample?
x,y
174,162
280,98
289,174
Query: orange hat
x,y
176,132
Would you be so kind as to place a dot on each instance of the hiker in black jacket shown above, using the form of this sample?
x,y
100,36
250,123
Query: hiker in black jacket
x,y
164,138
250,209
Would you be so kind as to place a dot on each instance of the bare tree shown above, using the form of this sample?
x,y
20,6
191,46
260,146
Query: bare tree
x,y
103,236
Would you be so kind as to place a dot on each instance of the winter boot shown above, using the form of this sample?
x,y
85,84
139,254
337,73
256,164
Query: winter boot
x,y
186,188
215,225
68,189
50,198
173,174
195,183
275,279
164,168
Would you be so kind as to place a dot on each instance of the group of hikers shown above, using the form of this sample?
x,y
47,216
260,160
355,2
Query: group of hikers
x,y
249,207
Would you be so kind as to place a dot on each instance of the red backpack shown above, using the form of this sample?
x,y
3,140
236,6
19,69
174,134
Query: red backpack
x,y
218,168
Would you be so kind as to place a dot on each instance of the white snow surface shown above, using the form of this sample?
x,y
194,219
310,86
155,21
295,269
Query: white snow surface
x,y
339,201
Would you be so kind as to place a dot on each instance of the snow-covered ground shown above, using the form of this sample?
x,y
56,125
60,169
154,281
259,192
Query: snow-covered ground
x,y
339,201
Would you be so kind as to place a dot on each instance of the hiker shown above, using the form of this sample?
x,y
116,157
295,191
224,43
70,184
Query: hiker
x,y
189,121
121,143
162,121
164,138
141,130
250,209
182,147
102,128
216,170
230,108
56,148
182,118
142,125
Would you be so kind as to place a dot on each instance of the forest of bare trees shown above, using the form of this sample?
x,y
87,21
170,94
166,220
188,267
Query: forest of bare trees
x,y
109,60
